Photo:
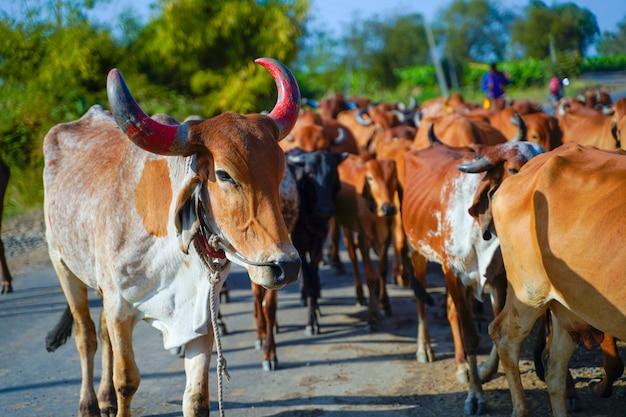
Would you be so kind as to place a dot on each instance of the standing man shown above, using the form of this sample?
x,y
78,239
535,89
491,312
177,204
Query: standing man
x,y
493,85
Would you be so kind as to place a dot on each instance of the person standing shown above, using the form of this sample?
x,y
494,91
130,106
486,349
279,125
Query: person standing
x,y
493,84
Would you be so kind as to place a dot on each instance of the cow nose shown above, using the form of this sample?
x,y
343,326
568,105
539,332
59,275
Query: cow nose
x,y
326,212
388,209
287,271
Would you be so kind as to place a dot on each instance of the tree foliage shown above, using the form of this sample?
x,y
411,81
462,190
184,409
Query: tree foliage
x,y
614,43
474,30
564,27
205,50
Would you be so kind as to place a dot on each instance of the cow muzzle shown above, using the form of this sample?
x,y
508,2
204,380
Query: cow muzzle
x,y
275,275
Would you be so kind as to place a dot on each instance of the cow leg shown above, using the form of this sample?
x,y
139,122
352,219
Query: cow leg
x,y
310,291
475,401
488,369
349,239
257,293
613,367
332,252
372,279
7,279
457,339
84,335
125,372
560,348
508,331
107,399
197,363
424,349
544,329
383,265
270,305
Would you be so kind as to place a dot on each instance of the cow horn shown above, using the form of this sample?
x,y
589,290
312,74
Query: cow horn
x,y
145,132
517,120
287,108
400,116
432,138
479,165
341,136
360,119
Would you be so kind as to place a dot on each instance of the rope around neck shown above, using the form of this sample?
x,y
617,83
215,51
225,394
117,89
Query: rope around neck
x,y
214,279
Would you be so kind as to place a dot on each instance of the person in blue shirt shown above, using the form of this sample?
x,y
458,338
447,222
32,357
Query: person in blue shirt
x,y
493,83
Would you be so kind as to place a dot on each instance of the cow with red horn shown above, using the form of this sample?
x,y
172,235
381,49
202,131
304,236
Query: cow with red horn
x,y
154,228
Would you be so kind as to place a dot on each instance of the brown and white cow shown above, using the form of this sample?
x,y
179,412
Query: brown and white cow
x,y
7,279
153,223
436,206
561,259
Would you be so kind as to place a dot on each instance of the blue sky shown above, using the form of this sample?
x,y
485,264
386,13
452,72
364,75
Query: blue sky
x,y
334,14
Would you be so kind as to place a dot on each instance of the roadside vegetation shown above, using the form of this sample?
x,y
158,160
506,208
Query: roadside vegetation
x,y
196,57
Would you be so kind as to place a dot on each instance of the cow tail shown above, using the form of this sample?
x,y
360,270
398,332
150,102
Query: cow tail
x,y
61,332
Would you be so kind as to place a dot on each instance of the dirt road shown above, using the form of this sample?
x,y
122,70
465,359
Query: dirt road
x,y
345,371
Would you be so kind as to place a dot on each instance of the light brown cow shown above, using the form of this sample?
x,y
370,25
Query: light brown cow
x,y
7,279
153,223
585,126
619,122
562,259
365,207
435,206
543,129
456,130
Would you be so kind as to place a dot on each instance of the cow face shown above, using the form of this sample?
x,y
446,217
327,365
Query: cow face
x,y
497,162
232,187
381,183
318,180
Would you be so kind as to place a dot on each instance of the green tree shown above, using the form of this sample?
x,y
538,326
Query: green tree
x,y
563,28
205,50
474,30
614,43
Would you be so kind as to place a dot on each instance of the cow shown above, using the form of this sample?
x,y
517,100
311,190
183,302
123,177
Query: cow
x,y
619,121
560,259
437,201
152,223
312,133
318,184
543,129
586,126
456,130
365,208
265,302
7,279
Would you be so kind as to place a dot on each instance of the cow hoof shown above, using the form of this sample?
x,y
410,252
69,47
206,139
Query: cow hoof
x,y
270,364
7,288
386,312
311,330
425,356
475,407
601,389
221,328
462,376
572,404
373,327
360,301
258,344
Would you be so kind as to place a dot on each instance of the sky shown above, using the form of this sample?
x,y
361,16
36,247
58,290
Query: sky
x,y
333,15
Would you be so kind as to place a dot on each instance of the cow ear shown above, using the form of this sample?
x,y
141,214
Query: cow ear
x,y
366,192
481,207
186,217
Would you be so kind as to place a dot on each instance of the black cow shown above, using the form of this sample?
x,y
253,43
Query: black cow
x,y
318,186
7,279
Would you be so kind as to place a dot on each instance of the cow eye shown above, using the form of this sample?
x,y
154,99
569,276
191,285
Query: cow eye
x,y
513,171
224,176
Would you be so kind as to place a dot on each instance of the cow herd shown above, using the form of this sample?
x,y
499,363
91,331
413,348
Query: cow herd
x,y
513,203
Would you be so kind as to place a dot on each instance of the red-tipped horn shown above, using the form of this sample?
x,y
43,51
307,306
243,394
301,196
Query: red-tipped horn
x,y
287,106
145,132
